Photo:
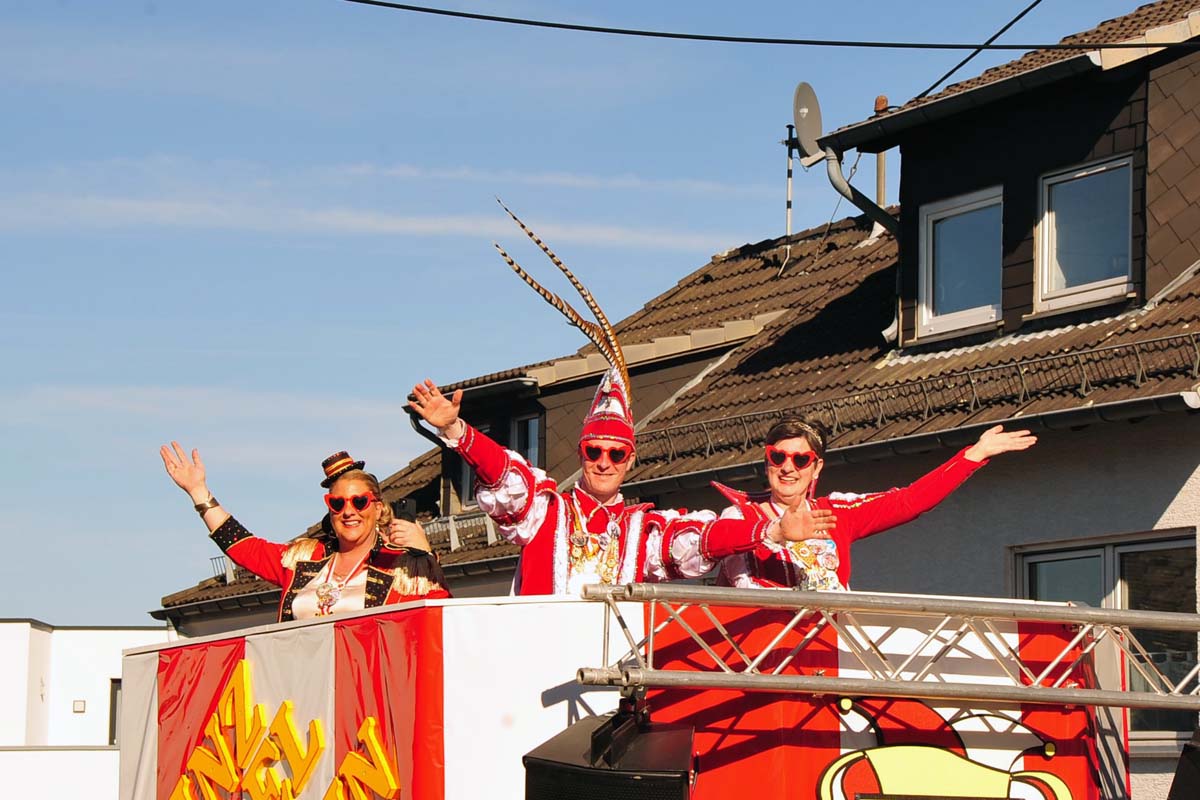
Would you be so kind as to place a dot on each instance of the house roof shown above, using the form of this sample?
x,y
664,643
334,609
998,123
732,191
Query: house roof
x,y
1164,21
826,357
713,306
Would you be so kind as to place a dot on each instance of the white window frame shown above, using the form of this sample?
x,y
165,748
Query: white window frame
x,y
1088,293
467,477
513,428
929,324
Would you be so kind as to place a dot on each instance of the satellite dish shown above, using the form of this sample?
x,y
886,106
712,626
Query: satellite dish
x,y
806,112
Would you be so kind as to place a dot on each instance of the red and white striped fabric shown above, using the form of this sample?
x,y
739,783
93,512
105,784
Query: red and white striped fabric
x,y
429,700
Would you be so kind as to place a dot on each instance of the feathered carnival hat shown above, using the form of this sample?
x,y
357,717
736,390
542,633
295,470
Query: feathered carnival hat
x,y
611,413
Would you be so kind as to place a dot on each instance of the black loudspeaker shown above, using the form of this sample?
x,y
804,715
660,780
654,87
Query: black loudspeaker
x,y
619,756
1186,785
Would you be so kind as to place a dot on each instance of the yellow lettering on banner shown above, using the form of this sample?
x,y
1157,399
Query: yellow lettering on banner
x,y
240,713
260,781
183,789
300,759
245,751
213,766
360,774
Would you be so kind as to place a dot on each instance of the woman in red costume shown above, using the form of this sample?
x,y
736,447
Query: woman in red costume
x,y
795,452
349,570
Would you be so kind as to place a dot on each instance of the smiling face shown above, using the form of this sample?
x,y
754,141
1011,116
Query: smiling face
x,y
354,527
602,478
789,484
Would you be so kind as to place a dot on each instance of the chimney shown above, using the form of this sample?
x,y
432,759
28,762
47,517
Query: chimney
x,y
881,105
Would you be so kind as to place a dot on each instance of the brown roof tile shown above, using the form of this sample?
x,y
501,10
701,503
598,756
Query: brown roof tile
x,y
1119,29
826,356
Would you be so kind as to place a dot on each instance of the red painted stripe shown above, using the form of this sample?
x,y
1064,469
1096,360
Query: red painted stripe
x,y
190,680
390,667
1070,729
750,740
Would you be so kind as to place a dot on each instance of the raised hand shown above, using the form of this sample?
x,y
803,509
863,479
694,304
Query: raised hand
x,y
799,522
435,408
996,440
188,473
402,533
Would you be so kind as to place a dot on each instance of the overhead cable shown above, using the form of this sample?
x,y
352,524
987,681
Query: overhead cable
x,y
706,37
979,49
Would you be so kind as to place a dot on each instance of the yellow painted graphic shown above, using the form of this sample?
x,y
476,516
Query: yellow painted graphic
x,y
907,770
240,752
920,770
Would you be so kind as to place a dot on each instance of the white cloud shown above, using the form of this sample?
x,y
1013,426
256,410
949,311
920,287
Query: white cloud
x,y
569,180
64,212
164,191
188,402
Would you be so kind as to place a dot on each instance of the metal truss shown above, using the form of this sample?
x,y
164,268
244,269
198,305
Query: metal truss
x,y
954,623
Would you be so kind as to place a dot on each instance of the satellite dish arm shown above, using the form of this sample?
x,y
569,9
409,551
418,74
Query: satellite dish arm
x,y
833,163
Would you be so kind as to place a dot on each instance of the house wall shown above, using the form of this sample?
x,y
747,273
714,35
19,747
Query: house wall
x,y
1012,143
14,682
39,686
85,661
46,748
54,773
1173,171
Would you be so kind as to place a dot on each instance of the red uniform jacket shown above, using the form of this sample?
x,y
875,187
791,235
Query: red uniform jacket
x,y
813,563
653,544
291,566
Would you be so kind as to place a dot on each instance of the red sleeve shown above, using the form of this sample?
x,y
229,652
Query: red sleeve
x,y
862,515
263,558
489,460
728,536
491,463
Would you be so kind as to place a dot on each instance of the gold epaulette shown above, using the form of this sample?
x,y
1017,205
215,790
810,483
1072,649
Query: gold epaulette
x,y
299,550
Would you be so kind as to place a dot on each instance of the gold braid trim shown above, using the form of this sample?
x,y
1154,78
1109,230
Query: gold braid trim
x,y
300,550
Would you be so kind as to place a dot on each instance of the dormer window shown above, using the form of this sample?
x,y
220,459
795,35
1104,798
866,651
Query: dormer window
x,y
961,253
525,438
1084,235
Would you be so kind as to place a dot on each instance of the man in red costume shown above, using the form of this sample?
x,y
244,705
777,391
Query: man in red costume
x,y
587,534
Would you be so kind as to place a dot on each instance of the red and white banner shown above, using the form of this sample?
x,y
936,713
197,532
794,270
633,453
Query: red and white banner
x,y
428,700
440,699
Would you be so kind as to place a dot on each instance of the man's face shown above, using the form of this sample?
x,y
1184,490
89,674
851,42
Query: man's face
x,y
604,463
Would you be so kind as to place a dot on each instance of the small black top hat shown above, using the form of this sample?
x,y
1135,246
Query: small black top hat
x,y
336,465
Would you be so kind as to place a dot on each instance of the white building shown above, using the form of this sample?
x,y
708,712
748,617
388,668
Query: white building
x,y
60,695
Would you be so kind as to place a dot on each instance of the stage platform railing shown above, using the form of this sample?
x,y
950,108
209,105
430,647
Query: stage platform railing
x,y
862,622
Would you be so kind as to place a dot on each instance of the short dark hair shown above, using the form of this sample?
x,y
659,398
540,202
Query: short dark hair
x,y
813,431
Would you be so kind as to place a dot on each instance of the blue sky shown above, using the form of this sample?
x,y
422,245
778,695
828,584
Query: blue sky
x,y
252,226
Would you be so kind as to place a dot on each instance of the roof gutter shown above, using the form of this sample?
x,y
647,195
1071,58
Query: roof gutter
x,y
269,598
952,438
879,133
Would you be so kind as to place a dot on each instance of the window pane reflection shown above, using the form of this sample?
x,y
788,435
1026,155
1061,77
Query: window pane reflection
x,y
1162,580
1080,579
966,260
1090,218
